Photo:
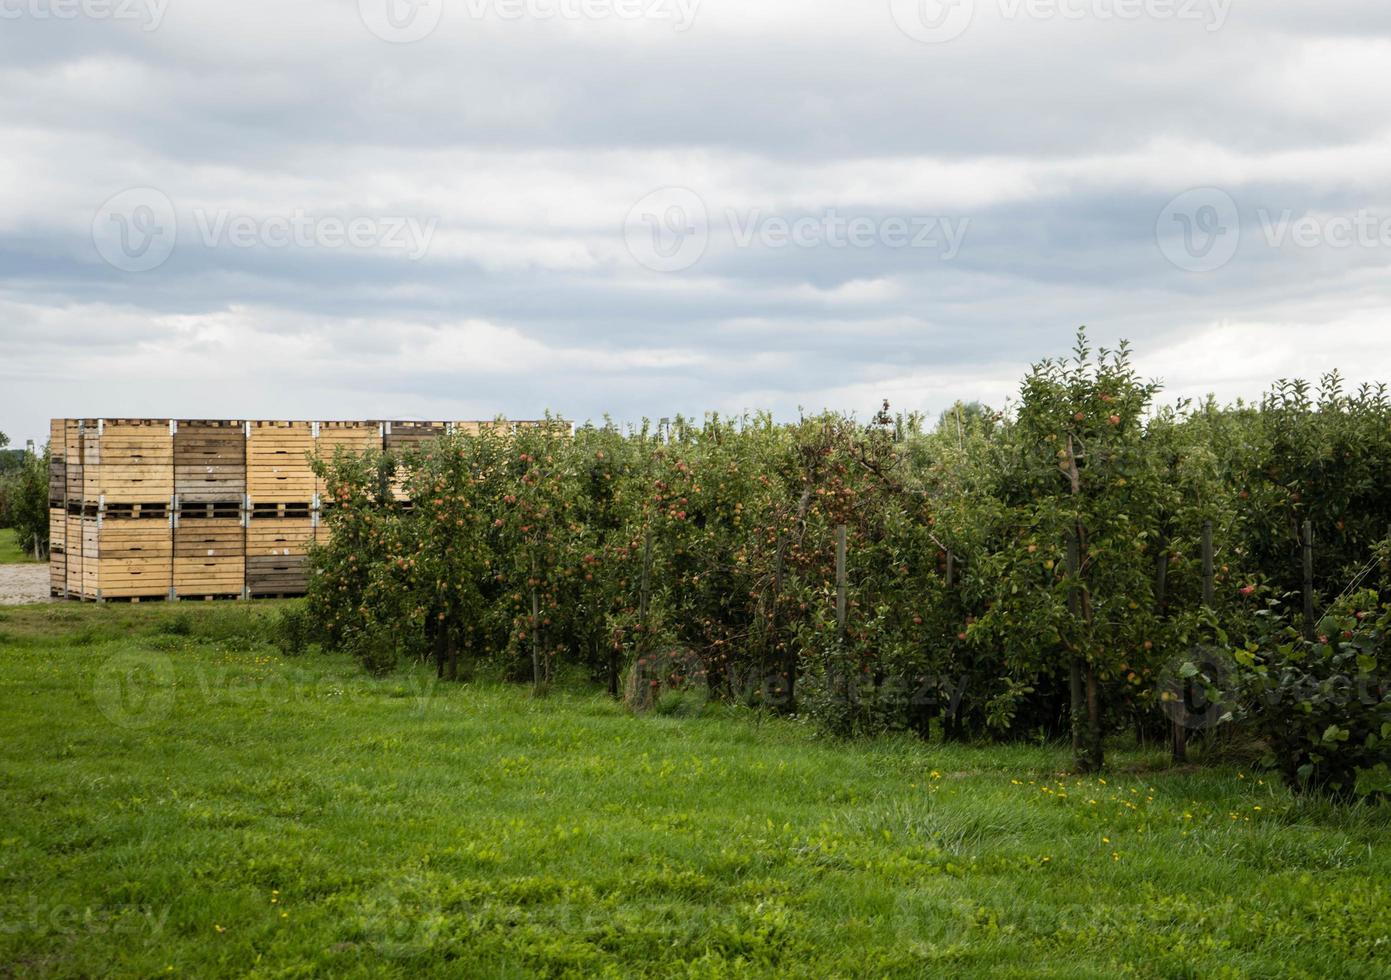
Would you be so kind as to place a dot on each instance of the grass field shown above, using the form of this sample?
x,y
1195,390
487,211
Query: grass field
x,y
177,798
9,548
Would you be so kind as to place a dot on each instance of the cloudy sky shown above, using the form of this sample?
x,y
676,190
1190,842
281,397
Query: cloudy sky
x,y
458,208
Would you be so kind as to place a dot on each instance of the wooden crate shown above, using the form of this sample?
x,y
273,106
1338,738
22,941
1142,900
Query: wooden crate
x,y
500,426
73,432
200,578
57,481
270,575
348,437
131,540
209,461
402,437
126,559
277,462
72,537
57,529
209,554
209,537
276,549
57,463
57,551
278,537
128,461
409,435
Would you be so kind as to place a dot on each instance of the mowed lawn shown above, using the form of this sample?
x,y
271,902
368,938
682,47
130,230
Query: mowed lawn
x,y
178,798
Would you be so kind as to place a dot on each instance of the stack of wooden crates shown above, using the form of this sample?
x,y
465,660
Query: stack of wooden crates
x,y
144,509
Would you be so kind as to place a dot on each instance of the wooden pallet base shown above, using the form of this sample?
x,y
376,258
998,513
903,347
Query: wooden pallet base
x,y
133,600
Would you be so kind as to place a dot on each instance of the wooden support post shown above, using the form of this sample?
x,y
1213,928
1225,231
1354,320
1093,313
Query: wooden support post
x,y
840,581
1076,694
1161,579
1208,574
788,659
1307,545
645,586
536,678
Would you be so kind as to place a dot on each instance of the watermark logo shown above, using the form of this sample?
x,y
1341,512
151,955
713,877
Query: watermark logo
x,y
667,230
401,21
1199,230
135,690
136,230
1195,689
148,13
933,21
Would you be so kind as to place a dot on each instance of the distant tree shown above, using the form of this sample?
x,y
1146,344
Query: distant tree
x,y
24,503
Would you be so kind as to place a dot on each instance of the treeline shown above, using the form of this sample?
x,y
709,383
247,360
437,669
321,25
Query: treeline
x,y
24,497
1085,562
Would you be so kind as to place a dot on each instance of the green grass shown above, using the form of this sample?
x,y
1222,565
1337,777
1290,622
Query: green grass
x,y
9,548
176,797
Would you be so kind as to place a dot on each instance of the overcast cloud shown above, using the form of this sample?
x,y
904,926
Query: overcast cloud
x,y
458,208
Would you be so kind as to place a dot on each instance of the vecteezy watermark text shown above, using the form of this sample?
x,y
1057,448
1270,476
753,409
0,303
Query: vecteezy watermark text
x,y
938,21
670,229
148,13
405,21
40,918
138,229
1201,229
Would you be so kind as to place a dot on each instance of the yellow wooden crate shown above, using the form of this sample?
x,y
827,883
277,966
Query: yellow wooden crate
x,y
346,437
73,542
279,537
195,577
126,578
128,461
277,462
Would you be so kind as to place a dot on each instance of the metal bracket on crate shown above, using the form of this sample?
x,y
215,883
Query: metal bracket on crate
x,y
101,426
386,428
314,429
246,429
173,427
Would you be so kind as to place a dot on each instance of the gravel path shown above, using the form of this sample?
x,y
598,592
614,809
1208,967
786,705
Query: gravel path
x,y
23,583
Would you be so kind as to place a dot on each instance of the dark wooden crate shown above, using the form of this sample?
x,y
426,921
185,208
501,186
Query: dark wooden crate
x,y
277,575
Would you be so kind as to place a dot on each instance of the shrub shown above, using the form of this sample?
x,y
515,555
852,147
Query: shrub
x,y
293,630
1323,707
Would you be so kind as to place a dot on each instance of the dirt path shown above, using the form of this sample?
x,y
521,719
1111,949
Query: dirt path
x,y
23,583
